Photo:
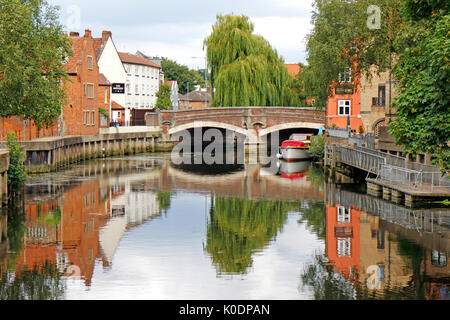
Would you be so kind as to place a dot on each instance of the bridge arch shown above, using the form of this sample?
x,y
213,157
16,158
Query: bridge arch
x,y
207,124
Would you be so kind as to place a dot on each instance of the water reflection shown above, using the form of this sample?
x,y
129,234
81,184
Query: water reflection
x,y
381,250
197,232
238,228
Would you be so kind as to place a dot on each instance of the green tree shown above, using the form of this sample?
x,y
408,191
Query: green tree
x,y
423,118
32,54
245,69
182,74
343,37
163,101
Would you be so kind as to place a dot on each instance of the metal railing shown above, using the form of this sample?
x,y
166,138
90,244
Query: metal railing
x,y
361,158
414,179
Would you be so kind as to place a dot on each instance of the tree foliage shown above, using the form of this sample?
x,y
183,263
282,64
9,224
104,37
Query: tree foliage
x,y
32,54
163,101
423,122
245,69
342,38
182,74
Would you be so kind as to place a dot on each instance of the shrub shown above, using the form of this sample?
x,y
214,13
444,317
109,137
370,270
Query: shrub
x,y
16,171
317,147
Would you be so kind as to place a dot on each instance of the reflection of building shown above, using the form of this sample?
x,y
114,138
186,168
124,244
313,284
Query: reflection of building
x,y
401,254
342,239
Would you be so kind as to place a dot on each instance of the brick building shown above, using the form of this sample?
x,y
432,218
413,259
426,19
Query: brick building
x,y
197,99
86,91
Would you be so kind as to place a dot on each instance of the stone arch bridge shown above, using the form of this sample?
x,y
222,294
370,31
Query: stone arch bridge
x,y
252,122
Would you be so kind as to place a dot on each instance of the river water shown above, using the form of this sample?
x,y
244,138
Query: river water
x,y
143,228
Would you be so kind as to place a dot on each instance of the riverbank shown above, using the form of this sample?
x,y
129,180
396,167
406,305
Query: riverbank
x,y
51,154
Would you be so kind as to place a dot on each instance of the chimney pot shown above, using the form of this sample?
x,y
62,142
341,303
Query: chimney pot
x,y
87,33
74,34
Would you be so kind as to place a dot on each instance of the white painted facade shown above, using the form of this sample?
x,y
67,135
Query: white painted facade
x,y
141,86
111,66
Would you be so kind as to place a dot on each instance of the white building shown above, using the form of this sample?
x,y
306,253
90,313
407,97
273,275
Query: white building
x,y
111,66
142,82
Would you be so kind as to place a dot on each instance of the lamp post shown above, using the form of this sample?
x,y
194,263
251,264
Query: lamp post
x,y
206,78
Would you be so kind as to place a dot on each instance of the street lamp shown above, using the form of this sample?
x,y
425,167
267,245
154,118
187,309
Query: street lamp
x,y
206,78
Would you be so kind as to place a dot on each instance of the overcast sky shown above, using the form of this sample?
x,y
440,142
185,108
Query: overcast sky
x,y
176,28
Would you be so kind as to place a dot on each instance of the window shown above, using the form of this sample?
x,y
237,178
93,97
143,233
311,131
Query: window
x,y
93,118
344,107
345,76
128,68
106,96
344,247
136,70
343,214
90,90
137,89
128,88
90,62
381,95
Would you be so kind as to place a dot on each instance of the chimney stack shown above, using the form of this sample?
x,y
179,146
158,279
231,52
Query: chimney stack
x,y
106,35
87,33
74,34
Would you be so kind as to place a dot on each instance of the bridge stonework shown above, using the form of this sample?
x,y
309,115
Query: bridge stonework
x,y
253,122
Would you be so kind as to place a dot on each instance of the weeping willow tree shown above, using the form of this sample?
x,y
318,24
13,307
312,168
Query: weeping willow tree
x,y
245,69
238,228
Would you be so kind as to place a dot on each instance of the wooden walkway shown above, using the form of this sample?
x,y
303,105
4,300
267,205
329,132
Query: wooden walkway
x,y
394,180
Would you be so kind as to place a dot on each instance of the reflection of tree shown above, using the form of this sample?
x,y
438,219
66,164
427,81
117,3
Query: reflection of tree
x,y
317,175
42,284
238,228
313,214
16,230
164,199
326,284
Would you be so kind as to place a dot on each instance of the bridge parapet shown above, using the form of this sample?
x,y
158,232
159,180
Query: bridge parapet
x,y
250,121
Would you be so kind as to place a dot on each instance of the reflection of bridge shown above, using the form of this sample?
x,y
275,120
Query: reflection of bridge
x,y
249,182
252,122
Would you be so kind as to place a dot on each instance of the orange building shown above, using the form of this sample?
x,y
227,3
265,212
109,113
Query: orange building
x,y
344,106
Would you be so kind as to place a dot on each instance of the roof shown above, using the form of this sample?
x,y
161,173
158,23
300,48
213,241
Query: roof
x,y
102,81
75,60
115,105
99,44
293,68
196,96
133,59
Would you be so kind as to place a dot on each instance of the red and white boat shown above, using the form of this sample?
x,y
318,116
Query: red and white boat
x,y
296,148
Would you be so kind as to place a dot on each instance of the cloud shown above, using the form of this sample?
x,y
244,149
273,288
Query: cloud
x,y
177,28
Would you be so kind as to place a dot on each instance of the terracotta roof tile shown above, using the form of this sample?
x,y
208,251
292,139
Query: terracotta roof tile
x,y
74,61
115,105
293,69
102,80
131,58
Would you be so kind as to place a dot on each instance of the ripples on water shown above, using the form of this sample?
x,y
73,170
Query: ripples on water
x,y
143,228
